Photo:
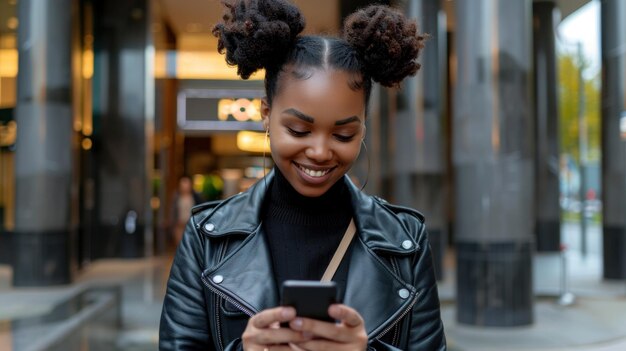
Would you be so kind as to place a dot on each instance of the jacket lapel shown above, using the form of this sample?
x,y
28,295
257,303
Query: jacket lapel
x,y
246,275
374,291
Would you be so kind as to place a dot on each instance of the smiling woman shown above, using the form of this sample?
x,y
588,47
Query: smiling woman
x,y
224,286
316,127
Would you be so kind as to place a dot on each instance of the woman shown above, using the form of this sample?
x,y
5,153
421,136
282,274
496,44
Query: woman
x,y
184,199
223,290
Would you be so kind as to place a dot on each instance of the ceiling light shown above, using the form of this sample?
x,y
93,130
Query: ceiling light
x,y
252,142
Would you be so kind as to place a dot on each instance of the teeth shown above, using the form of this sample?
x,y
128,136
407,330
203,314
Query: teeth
x,y
313,173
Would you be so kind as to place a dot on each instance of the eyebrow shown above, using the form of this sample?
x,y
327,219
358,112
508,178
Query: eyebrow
x,y
309,119
348,120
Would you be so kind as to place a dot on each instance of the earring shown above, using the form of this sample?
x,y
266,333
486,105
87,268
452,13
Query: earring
x,y
267,134
367,176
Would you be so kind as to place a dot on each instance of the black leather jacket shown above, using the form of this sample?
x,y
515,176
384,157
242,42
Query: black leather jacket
x,y
222,275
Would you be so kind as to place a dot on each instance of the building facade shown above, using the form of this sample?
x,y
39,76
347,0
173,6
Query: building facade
x,y
105,104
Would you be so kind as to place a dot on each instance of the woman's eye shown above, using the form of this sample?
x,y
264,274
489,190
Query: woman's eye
x,y
344,138
296,133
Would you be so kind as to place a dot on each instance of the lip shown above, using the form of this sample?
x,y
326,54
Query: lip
x,y
314,180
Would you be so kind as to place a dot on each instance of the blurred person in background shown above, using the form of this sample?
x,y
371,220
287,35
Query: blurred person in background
x,y
184,199
224,285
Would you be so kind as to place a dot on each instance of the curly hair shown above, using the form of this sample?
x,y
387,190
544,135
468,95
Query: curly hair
x,y
387,42
257,34
378,44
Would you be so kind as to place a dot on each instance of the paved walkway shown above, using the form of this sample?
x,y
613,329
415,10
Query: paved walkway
x,y
142,287
595,322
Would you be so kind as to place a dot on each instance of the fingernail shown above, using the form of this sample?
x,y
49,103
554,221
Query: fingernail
x,y
287,312
297,323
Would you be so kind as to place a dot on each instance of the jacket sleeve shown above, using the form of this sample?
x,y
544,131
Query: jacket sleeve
x,y
426,328
184,323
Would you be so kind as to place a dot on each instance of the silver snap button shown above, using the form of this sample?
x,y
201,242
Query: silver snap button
x,y
209,227
404,293
218,279
407,244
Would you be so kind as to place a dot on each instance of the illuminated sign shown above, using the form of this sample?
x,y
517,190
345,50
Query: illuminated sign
x,y
219,110
241,110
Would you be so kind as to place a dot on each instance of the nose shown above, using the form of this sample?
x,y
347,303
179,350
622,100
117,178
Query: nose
x,y
319,150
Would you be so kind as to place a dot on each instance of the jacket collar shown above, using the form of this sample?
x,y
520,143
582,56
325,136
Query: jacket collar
x,y
373,216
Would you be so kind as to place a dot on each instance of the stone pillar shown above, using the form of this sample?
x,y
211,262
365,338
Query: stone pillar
x,y
493,160
613,44
547,208
43,237
123,91
419,163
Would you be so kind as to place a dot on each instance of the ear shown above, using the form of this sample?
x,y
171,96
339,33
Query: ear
x,y
265,113
363,132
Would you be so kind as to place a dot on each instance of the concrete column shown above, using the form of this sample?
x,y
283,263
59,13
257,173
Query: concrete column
x,y
493,160
419,163
42,240
547,208
123,90
613,47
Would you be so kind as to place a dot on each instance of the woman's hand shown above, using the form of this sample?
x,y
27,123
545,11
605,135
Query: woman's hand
x,y
349,334
263,332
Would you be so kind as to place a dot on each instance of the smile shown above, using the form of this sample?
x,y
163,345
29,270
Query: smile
x,y
314,173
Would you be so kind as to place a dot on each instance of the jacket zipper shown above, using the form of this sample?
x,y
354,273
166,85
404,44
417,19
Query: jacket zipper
x,y
250,313
404,313
219,295
218,320
217,311
396,332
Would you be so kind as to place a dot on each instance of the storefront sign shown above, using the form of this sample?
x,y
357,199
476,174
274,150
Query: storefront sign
x,y
242,110
219,110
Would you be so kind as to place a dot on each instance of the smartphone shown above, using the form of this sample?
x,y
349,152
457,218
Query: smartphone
x,y
310,298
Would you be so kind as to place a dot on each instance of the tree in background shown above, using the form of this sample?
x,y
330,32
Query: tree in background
x,y
569,95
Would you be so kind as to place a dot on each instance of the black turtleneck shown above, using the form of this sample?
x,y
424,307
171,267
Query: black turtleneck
x,y
304,232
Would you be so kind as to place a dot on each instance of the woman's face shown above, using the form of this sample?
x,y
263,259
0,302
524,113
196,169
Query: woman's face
x,y
316,125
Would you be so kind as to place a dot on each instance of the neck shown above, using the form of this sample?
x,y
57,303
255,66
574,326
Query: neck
x,y
286,204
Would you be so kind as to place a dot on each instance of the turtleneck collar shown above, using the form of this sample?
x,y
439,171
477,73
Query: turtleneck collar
x,y
287,205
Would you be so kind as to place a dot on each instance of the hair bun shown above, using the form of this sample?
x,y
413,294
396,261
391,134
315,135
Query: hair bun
x,y
257,33
387,42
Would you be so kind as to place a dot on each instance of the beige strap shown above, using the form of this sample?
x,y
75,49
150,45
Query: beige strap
x,y
341,251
